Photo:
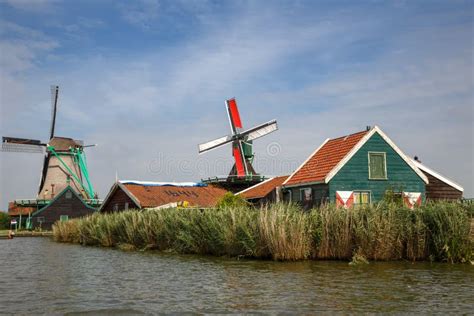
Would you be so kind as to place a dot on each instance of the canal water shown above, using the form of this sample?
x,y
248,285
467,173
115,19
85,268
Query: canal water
x,y
39,276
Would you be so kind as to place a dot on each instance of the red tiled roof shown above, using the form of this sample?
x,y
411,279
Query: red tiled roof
x,y
325,159
154,196
262,189
16,210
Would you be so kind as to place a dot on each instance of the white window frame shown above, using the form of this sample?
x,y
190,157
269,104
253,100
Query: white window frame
x,y
385,164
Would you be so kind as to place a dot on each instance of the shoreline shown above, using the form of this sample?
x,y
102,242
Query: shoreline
x,y
48,233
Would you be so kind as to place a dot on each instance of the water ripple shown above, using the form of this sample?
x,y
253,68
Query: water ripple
x,y
39,276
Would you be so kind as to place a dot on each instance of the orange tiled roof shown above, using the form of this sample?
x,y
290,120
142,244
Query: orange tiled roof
x,y
154,196
325,159
16,210
262,189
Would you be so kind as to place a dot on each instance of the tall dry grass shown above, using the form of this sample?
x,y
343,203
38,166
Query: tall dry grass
x,y
384,231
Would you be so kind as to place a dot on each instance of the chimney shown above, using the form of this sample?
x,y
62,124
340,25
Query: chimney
x,y
417,159
368,127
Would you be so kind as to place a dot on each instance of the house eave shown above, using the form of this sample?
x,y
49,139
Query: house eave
x,y
301,184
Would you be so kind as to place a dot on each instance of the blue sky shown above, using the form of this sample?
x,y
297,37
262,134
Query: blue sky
x,y
147,80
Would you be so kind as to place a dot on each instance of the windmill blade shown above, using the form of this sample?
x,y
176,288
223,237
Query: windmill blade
x,y
234,116
260,130
54,105
15,144
238,153
44,171
214,143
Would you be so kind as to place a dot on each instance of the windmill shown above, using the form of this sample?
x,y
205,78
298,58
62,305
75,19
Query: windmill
x,y
241,140
64,159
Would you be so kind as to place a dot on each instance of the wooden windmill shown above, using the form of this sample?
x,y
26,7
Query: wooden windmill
x,y
64,159
242,171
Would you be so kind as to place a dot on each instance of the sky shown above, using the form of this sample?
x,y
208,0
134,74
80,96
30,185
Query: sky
x,y
147,80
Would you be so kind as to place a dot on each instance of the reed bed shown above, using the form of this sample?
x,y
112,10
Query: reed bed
x,y
436,231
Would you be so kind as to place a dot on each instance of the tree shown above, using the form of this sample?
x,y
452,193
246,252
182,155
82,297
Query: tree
x,y
4,220
231,200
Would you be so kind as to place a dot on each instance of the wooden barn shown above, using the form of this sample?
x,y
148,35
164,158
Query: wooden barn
x,y
64,206
268,191
125,195
356,169
439,186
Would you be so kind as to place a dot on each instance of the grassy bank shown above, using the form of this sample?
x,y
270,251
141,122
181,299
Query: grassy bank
x,y
437,232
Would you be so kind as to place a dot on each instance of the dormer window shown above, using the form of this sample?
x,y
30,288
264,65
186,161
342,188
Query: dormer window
x,y
377,166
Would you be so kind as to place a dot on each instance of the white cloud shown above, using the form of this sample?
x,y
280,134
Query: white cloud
x,y
140,13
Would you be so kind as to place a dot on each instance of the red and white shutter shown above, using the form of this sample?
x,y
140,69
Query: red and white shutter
x,y
412,199
344,198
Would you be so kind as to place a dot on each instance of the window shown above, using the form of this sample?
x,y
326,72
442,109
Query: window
x,y
126,206
64,218
68,195
115,208
306,195
361,197
377,166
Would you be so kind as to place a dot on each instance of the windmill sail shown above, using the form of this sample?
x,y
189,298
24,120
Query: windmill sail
x,y
54,105
15,144
43,173
261,130
239,158
214,143
234,116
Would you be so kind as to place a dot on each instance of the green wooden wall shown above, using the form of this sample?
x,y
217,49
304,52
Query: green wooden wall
x,y
354,175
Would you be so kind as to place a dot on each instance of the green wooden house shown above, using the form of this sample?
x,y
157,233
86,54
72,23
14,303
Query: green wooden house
x,y
356,169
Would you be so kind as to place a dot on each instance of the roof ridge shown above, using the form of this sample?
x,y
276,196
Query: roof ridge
x,y
349,135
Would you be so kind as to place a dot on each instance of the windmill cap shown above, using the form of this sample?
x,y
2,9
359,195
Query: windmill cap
x,y
64,143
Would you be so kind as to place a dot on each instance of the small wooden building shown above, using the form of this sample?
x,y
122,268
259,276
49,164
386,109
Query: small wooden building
x,y
439,186
268,191
125,195
356,169
66,205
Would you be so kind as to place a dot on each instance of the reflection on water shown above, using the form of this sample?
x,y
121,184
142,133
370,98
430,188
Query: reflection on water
x,y
40,276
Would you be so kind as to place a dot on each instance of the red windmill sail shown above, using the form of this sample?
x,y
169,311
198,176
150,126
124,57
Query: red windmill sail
x,y
234,115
